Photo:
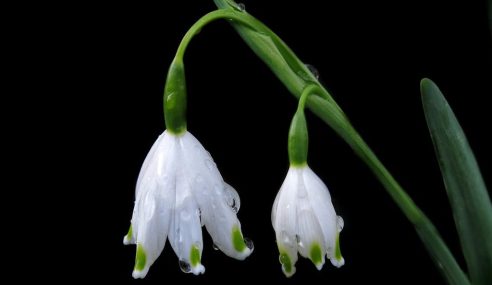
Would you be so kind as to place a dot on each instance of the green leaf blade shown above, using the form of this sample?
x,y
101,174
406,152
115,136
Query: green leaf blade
x,y
468,196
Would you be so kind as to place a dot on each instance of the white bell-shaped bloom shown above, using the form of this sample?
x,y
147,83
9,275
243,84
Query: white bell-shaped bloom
x,y
179,189
305,221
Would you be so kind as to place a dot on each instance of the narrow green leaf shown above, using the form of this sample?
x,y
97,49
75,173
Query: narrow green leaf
x,y
442,257
465,187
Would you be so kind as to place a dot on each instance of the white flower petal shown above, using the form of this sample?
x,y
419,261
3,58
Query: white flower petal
x,y
152,225
221,222
215,199
156,173
186,231
320,201
232,197
129,238
154,204
158,162
310,237
274,209
284,221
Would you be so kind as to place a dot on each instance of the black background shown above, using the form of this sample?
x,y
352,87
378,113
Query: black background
x,y
112,62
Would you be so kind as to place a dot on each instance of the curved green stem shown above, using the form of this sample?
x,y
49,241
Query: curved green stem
x,y
312,89
298,134
228,14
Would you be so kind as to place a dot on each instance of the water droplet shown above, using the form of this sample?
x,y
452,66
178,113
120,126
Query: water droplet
x,y
234,207
185,266
249,243
215,247
285,238
241,7
299,242
284,258
232,197
313,70
340,223
199,213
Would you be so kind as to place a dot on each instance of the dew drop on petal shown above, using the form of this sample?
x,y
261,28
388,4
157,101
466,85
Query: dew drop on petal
x,y
282,258
199,214
249,243
234,206
185,266
299,241
232,197
286,238
340,223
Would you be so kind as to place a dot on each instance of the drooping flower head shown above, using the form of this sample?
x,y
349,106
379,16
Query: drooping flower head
x,y
303,215
179,190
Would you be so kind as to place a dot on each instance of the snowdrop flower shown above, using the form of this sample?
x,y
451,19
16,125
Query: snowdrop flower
x,y
305,221
303,215
179,190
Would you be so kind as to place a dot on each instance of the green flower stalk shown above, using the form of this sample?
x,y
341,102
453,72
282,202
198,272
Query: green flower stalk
x,y
175,98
